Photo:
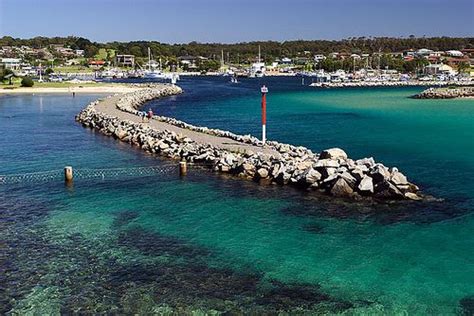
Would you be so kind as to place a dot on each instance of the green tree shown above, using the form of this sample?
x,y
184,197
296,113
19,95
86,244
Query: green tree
x,y
208,65
90,51
27,82
464,67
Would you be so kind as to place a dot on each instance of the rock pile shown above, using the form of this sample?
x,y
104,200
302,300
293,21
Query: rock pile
x,y
331,171
446,93
386,83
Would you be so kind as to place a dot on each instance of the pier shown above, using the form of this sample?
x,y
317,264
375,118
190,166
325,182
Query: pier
x,y
329,172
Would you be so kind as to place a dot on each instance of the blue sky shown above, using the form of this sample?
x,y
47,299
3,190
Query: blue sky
x,y
178,21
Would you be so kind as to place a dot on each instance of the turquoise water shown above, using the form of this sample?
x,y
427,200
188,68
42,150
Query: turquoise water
x,y
213,243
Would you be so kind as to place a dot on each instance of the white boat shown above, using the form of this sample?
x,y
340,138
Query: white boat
x,y
152,74
257,70
157,73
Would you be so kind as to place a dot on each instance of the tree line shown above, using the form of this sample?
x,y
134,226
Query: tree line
x,y
247,51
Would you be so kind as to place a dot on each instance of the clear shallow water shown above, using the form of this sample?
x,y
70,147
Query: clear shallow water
x,y
209,242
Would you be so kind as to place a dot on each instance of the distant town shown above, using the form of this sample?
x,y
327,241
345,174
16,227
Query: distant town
x,y
336,62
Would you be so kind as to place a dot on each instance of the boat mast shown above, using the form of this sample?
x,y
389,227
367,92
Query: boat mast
x,y
149,59
222,58
259,59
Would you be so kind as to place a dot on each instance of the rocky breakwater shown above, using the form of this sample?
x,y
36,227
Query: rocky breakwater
x,y
330,172
446,93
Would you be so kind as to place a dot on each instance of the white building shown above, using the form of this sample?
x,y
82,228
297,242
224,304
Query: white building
x,y
11,63
423,52
319,57
454,53
439,69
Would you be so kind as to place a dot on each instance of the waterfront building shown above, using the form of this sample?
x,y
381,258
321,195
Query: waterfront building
x,y
125,60
11,63
96,63
438,69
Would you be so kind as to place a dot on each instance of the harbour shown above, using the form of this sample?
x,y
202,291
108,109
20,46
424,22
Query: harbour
x,y
208,158
177,212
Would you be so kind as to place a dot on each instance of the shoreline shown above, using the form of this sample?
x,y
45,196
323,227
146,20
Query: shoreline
x,y
414,83
330,172
108,88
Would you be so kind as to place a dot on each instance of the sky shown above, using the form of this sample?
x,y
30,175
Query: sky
x,y
230,21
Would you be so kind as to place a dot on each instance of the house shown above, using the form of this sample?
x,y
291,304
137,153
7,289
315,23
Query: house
x,y
468,51
79,52
319,57
191,62
11,63
423,52
96,63
454,53
125,60
301,60
438,69
454,61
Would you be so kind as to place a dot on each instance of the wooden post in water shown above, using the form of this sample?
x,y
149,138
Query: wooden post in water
x,y
68,176
183,169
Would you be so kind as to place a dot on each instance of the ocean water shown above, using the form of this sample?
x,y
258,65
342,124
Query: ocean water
x,y
209,243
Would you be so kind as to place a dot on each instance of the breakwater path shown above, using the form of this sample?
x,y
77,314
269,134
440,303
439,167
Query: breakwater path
x,y
330,172
108,107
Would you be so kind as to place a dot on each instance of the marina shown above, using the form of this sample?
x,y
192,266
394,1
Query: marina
x,y
211,158
175,211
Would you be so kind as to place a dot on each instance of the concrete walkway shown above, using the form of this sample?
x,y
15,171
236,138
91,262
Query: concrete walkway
x,y
108,106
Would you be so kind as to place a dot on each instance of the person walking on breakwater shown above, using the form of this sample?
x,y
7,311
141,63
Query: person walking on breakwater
x,y
143,116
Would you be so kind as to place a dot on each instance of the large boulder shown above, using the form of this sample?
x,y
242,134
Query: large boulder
x,y
312,176
326,163
366,185
368,162
262,173
398,178
120,133
380,173
387,189
413,196
333,153
341,188
350,180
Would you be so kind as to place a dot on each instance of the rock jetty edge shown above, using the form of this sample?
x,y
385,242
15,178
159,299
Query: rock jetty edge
x,y
446,93
329,172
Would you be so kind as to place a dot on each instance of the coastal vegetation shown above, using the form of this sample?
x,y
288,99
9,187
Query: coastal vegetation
x,y
27,82
245,51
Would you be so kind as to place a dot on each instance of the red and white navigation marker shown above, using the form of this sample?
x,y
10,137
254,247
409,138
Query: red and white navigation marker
x,y
264,91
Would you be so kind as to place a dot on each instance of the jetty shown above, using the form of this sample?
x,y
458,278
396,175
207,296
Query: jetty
x,y
329,172
446,93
